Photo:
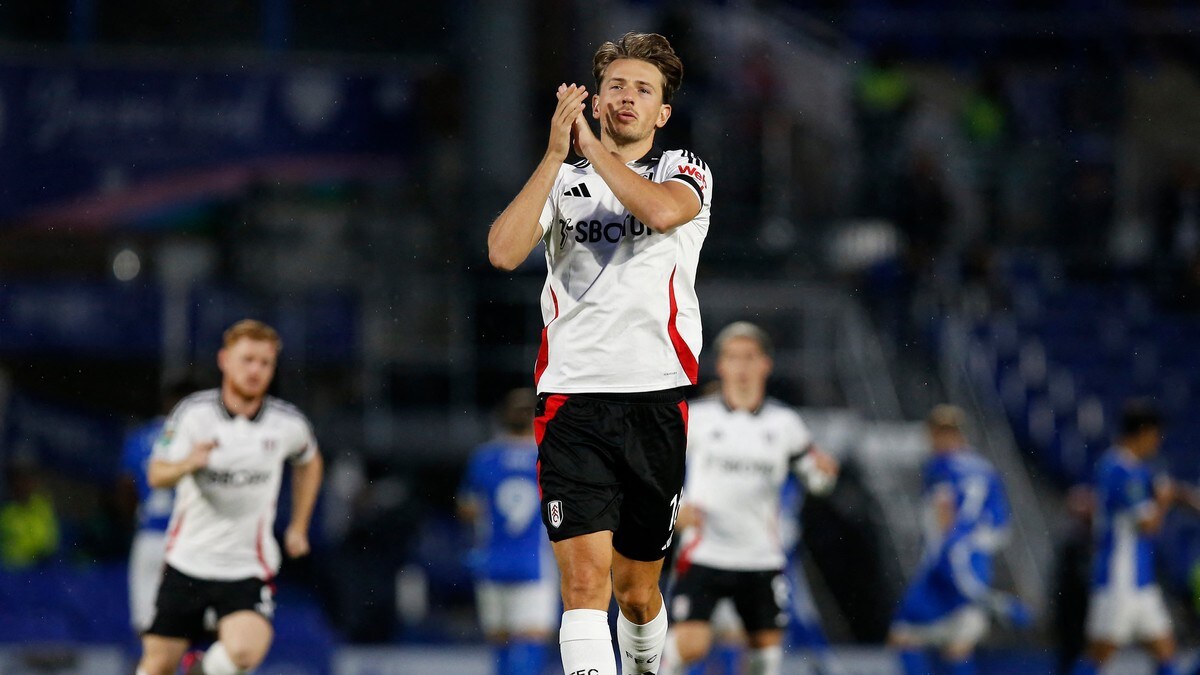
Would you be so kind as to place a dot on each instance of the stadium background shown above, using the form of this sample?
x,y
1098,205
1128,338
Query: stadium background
x,y
992,203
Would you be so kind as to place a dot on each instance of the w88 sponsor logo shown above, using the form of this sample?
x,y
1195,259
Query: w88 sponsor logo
x,y
594,231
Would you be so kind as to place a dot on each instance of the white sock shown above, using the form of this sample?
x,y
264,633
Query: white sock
x,y
641,646
765,661
585,643
216,661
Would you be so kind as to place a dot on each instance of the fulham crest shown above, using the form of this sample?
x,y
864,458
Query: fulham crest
x,y
555,513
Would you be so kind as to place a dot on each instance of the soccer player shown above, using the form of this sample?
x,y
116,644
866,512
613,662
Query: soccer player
x,y
742,447
516,585
223,450
152,506
622,230
1126,603
948,602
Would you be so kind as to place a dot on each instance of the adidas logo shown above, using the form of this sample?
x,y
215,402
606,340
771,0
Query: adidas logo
x,y
578,191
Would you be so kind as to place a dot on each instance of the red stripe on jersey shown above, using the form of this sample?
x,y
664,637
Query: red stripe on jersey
x,y
683,412
543,357
553,403
686,358
174,533
258,550
684,561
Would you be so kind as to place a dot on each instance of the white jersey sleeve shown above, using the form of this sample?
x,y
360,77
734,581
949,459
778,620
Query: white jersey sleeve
x,y
180,431
685,167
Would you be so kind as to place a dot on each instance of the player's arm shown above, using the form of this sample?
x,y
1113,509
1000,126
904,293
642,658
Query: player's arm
x,y
306,483
516,231
944,509
164,473
661,206
816,469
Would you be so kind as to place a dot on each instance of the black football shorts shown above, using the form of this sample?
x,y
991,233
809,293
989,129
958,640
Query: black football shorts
x,y
761,597
613,462
190,608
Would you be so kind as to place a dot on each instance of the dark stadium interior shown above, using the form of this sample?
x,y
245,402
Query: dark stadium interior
x,y
990,203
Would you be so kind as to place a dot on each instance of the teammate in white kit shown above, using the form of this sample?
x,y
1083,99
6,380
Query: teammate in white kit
x,y
223,450
622,230
742,447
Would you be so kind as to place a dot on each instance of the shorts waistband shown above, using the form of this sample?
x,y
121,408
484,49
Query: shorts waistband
x,y
661,397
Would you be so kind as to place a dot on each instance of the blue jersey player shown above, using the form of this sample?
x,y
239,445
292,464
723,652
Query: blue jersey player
x,y
947,604
1126,604
153,510
516,585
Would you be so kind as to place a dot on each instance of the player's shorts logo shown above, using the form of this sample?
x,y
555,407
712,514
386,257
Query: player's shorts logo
x,y
555,512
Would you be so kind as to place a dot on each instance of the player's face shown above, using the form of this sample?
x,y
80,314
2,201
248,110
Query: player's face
x,y
1146,442
742,363
630,104
248,366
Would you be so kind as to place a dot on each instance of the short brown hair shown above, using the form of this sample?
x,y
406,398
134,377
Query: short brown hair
x,y
254,330
649,47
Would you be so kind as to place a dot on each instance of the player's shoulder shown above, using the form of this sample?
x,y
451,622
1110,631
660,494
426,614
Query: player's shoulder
x,y
285,412
683,155
780,412
200,402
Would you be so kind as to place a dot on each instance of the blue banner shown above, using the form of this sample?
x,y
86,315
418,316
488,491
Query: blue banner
x,y
72,131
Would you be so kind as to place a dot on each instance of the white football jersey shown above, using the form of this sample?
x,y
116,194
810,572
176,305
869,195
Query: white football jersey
x,y
737,463
222,527
619,306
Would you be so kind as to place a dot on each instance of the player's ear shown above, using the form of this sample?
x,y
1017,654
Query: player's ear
x,y
595,106
222,355
664,114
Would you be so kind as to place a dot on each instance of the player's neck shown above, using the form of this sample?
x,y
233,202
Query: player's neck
x,y
749,400
629,152
240,405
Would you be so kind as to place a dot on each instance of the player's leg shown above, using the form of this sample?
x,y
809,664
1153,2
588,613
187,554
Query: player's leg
x,y
161,655
688,643
532,609
1155,630
1094,657
581,502
243,639
490,606
909,645
1110,624
584,565
244,611
696,594
762,600
145,574
653,458
178,616
642,624
729,636
964,630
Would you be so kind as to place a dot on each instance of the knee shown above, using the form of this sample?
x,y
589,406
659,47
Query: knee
x,y
585,587
636,598
155,665
244,657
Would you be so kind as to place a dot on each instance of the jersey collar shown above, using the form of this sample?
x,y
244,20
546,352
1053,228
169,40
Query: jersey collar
x,y
229,414
652,155
754,413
